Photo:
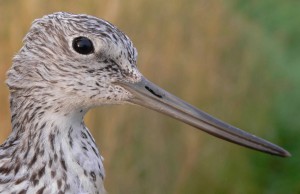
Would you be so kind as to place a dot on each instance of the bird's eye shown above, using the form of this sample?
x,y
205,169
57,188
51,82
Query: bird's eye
x,y
83,45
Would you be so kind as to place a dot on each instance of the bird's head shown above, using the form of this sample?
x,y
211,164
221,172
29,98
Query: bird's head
x,y
77,58
74,62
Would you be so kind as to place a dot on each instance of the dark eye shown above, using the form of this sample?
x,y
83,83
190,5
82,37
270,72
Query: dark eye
x,y
83,45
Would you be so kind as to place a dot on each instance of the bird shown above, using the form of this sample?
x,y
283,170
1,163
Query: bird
x,y
68,64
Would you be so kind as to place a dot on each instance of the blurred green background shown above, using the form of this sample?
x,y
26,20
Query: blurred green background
x,y
238,60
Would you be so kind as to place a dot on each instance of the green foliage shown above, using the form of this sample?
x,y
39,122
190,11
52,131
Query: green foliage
x,y
278,21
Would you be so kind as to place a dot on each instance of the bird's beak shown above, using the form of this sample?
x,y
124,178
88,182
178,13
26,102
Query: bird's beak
x,y
149,95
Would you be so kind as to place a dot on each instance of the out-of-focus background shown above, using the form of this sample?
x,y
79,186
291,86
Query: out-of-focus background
x,y
238,60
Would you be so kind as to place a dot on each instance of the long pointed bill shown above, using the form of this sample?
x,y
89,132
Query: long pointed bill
x,y
151,96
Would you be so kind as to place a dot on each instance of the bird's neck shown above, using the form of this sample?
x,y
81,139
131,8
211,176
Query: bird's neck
x,y
46,145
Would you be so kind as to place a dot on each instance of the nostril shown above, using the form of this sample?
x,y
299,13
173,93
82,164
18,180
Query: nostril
x,y
152,92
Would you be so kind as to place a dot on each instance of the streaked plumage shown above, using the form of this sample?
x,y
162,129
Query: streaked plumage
x,y
52,86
